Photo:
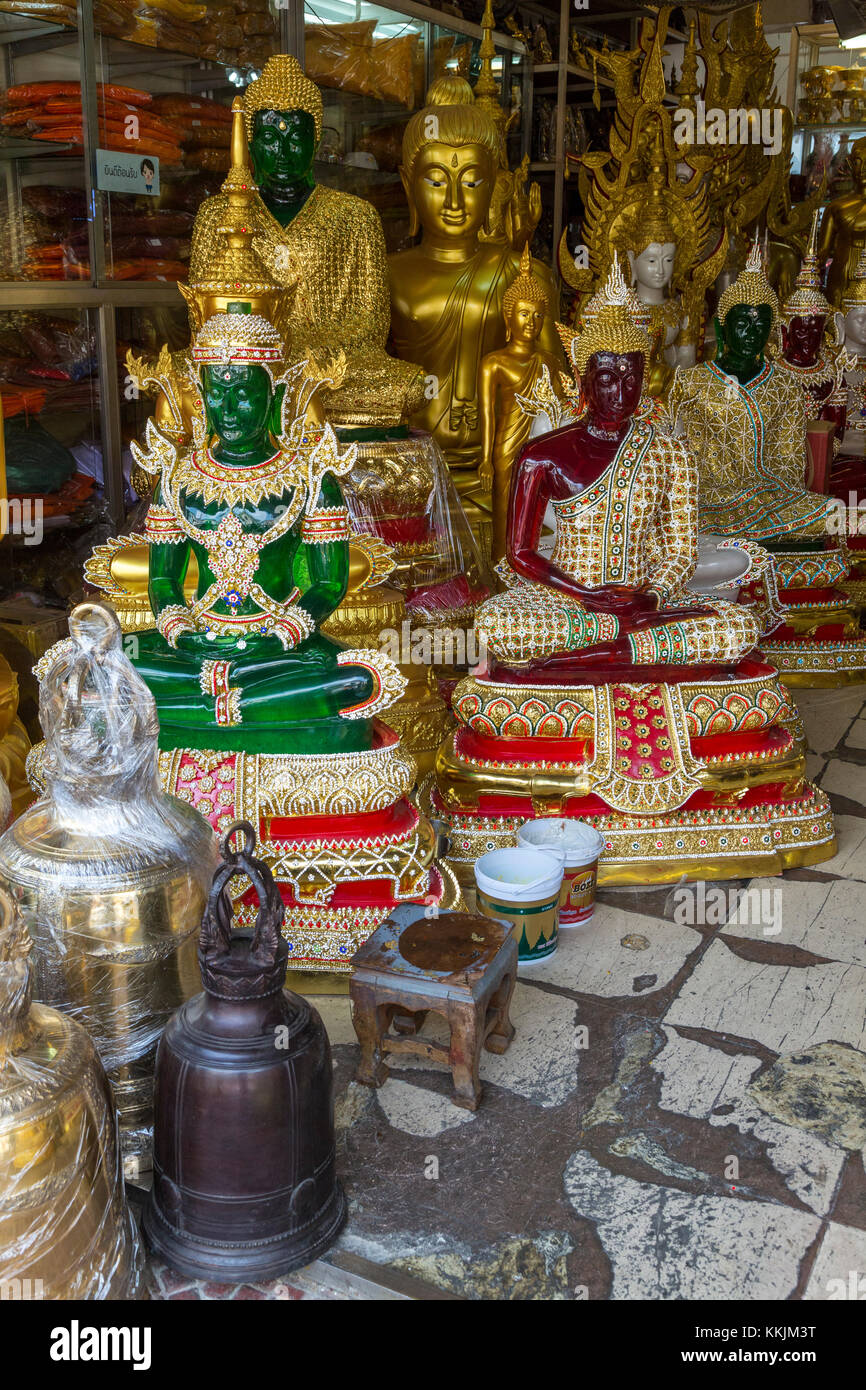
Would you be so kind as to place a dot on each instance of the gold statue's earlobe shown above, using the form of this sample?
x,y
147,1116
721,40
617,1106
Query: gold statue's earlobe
x,y
414,224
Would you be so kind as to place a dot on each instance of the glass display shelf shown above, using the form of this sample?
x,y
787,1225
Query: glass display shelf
x,y
50,394
161,96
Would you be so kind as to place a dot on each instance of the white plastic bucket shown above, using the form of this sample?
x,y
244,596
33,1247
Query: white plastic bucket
x,y
523,886
582,845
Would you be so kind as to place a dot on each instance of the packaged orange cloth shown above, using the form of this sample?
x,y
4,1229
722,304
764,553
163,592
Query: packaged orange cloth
x,y
341,55
35,93
394,68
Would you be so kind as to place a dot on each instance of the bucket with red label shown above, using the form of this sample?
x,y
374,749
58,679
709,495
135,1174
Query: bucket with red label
x,y
582,846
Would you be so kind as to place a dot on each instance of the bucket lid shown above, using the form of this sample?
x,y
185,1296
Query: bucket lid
x,y
578,841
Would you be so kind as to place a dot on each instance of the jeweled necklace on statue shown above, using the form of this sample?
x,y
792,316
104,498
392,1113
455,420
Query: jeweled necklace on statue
x,y
201,473
821,368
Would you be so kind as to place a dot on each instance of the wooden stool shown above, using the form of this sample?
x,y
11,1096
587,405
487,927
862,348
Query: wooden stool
x,y
457,965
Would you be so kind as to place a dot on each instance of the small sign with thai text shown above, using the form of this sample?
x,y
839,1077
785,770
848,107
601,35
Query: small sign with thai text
x,y
127,173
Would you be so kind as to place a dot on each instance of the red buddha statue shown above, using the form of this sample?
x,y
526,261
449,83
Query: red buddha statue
x,y
611,692
562,466
803,323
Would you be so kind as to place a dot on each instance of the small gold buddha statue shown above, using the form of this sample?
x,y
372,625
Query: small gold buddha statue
x,y
326,244
843,227
625,496
447,293
508,376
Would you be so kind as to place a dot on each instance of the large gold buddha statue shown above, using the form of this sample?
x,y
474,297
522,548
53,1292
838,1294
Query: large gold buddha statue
x,y
612,693
448,292
325,246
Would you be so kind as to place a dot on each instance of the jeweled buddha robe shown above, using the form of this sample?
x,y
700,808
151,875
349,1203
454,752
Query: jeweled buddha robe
x,y
334,253
636,524
750,444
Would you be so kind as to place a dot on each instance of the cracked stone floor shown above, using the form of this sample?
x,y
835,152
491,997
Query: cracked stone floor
x,y
682,1112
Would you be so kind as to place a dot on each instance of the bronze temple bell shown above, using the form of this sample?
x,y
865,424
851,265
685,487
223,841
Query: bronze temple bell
x,y
244,1174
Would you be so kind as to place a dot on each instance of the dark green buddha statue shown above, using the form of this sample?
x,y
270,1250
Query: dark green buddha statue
x,y
742,339
256,502
282,148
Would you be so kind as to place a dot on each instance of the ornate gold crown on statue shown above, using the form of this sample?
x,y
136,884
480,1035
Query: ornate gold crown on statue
x,y
237,339
750,287
228,269
610,324
526,288
283,86
855,295
806,298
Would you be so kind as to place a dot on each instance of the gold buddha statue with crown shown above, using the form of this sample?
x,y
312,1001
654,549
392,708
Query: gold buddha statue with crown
x,y
611,692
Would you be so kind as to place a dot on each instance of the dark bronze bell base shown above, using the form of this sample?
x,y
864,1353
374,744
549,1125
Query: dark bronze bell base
x,y
240,1264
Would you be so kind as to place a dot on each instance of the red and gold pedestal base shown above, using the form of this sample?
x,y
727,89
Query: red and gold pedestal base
x,y
337,830
699,775
820,643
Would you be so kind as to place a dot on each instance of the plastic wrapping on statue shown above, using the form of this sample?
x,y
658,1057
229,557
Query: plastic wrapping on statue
x,y
111,875
402,492
66,1231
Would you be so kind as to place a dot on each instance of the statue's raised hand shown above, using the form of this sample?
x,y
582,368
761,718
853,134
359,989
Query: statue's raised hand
x,y
523,210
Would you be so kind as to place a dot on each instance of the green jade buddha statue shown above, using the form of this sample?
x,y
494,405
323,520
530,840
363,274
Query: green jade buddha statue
x,y
256,500
327,248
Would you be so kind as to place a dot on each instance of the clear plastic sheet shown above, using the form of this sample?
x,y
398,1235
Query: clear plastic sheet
x,y
402,492
66,1231
110,874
